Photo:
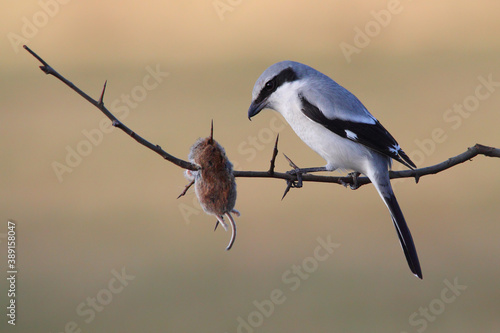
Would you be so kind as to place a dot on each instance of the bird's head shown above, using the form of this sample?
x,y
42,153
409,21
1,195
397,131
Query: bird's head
x,y
275,82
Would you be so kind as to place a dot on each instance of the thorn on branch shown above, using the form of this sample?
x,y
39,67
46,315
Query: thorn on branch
x,y
417,177
290,183
186,188
290,162
211,132
273,158
100,103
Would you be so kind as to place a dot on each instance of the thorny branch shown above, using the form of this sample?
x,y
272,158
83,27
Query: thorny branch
x,y
47,69
471,152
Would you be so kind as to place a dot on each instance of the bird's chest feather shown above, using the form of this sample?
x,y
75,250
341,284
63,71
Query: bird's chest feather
x,y
340,153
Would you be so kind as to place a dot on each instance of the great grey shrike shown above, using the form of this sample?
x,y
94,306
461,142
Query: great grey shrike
x,y
337,126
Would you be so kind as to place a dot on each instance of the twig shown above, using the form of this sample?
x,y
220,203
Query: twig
x,y
471,152
186,188
47,69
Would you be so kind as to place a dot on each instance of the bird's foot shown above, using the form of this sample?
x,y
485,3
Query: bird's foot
x,y
354,185
297,172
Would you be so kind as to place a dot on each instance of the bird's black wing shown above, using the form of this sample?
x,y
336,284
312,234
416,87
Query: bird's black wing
x,y
373,136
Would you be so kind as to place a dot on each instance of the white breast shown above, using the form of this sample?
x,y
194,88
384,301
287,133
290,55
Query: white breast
x,y
339,153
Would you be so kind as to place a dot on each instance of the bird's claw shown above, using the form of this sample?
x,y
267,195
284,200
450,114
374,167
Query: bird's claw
x,y
291,183
354,185
297,183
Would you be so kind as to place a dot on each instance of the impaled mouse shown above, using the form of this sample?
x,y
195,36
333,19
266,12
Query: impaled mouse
x,y
214,183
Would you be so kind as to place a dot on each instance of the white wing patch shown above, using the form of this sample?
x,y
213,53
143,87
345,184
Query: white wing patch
x,y
395,149
351,135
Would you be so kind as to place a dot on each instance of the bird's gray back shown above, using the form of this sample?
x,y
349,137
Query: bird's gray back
x,y
330,97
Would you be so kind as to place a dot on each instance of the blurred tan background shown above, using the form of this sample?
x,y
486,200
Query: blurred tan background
x,y
116,212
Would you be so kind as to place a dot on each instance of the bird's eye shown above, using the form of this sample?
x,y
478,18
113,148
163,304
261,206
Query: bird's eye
x,y
270,85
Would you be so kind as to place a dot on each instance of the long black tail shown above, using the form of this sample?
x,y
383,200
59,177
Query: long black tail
x,y
384,188
404,234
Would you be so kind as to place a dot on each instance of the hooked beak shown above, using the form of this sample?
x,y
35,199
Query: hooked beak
x,y
256,107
